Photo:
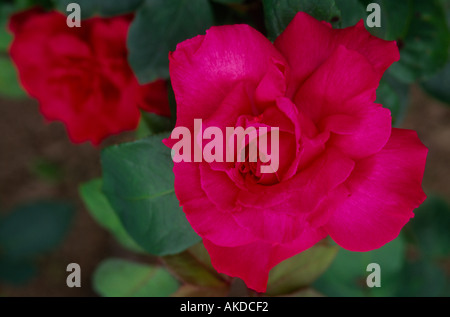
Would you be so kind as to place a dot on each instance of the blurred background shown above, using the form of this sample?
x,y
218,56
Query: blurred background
x,y
44,224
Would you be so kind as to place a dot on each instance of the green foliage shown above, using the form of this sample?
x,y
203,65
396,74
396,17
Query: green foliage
x,y
229,1
102,212
158,27
438,85
392,27
421,31
143,130
34,229
195,291
105,8
138,182
446,6
423,38
424,48
120,278
29,232
6,10
301,270
17,272
9,82
422,278
306,292
152,124
47,170
172,104
430,228
347,274
279,13
351,12
393,94
25,4
193,266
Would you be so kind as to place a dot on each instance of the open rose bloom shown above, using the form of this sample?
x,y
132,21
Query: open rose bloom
x,y
343,171
81,76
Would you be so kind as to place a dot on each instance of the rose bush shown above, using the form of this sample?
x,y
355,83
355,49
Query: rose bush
x,y
81,76
344,172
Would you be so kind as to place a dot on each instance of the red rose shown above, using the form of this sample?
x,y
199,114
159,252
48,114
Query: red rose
x,y
81,76
343,171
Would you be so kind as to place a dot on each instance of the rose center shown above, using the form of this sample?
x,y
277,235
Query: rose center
x,y
250,170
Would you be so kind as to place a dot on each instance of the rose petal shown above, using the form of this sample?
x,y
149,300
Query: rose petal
x,y
252,262
205,218
379,52
272,86
365,132
339,98
113,33
153,98
345,76
219,188
309,186
307,43
206,68
384,188
277,213
28,49
234,105
115,116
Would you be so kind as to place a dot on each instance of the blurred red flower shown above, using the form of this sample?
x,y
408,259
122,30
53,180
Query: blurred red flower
x,y
81,76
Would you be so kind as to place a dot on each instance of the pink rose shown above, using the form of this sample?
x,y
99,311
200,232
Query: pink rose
x,y
81,76
343,170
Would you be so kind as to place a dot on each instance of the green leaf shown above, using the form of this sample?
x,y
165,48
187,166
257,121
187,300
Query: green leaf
x,y
105,8
152,123
279,13
158,27
438,85
393,94
424,49
25,4
143,130
193,266
194,291
446,6
351,12
100,209
6,10
347,274
34,229
430,228
139,183
120,278
392,27
47,170
172,104
422,278
229,1
5,38
9,82
301,270
306,292
17,272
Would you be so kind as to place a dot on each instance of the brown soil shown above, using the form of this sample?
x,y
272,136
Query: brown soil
x,y
25,138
